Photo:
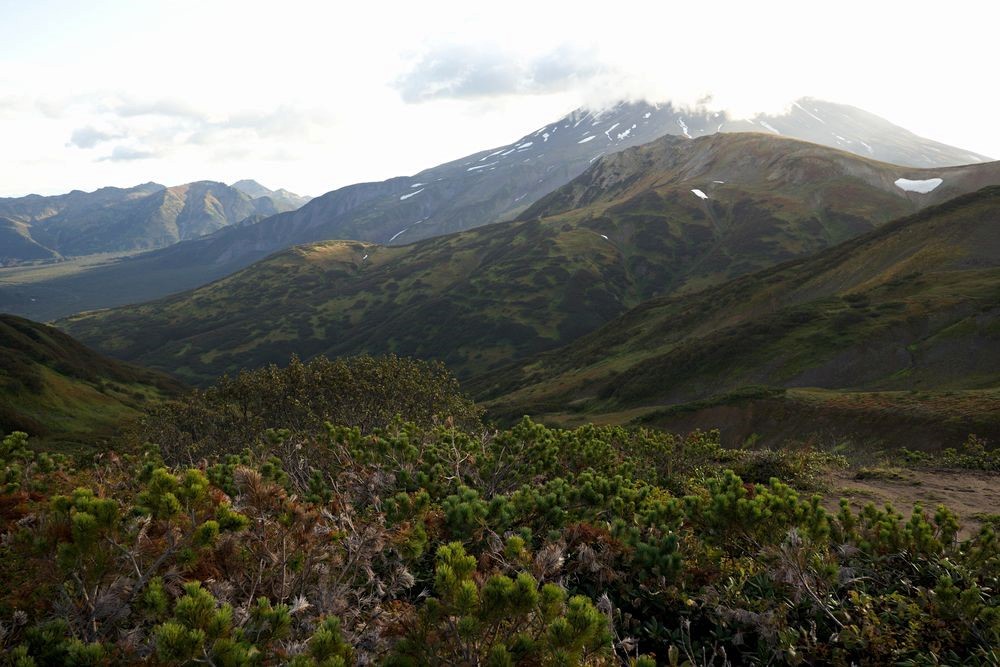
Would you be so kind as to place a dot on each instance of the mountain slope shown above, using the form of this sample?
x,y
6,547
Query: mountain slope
x,y
282,198
912,305
17,245
57,390
488,186
849,128
115,220
481,298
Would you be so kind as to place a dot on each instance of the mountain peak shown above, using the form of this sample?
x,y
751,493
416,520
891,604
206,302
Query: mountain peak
x,y
252,188
287,200
818,121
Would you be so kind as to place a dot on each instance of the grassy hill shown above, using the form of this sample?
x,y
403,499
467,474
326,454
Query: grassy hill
x,y
912,306
629,229
64,394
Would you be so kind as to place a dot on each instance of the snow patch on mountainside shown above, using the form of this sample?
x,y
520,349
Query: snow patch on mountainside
x,y
769,126
410,194
921,186
699,193
799,106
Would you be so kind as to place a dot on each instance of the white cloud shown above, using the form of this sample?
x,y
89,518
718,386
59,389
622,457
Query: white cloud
x,y
127,154
477,71
89,137
312,96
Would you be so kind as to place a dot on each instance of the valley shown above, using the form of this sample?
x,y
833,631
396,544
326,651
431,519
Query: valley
x,y
711,380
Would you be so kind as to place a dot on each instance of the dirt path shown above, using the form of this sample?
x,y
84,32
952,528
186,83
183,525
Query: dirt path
x,y
967,493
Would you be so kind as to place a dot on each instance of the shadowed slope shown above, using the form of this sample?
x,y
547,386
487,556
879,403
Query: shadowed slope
x,y
58,390
913,305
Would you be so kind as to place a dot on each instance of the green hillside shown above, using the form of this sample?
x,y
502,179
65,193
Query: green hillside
x,y
628,229
64,394
914,305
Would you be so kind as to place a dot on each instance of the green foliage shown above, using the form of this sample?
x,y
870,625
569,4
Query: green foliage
x,y
202,630
434,545
501,621
15,460
974,454
326,648
264,407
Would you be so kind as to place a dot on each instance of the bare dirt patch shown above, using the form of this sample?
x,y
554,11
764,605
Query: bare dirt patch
x,y
968,493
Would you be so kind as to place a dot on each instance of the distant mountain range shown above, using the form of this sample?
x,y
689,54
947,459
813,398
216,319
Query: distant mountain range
x,y
489,186
671,217
128,220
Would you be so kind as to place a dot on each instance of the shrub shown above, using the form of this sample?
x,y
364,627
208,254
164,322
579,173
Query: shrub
x,y
974,454
433,545
366,392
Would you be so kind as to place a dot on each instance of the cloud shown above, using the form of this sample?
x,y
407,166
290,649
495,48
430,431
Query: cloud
x,y
471,72
90,136
126,154
567,66
280,122
167,123
12,103
162,107
145,128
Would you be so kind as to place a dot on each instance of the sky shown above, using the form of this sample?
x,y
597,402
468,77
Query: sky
x,y
311,96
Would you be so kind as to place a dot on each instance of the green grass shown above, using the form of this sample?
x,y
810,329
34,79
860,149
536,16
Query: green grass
x,y
66,396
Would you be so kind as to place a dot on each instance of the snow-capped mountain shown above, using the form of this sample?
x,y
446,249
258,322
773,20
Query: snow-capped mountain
x,y
489,186
498,183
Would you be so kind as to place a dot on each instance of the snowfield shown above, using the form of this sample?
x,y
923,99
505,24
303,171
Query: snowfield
x,y
923,186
